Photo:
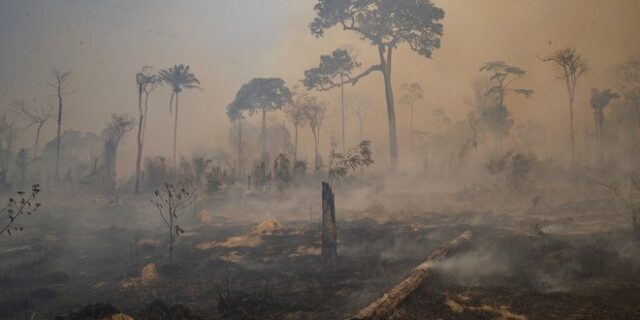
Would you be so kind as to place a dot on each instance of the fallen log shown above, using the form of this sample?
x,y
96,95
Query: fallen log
x,y
381,308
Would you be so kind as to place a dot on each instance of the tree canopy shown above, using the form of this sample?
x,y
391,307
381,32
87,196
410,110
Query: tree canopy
x,y
259,94
384,22
600,99
411,93
503,75
178,77
331,72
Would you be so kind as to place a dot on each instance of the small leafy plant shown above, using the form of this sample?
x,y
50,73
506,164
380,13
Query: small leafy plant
x,y
170,202
26,204
356,157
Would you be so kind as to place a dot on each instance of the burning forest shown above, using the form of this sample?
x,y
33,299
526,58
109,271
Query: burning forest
x,y
319,159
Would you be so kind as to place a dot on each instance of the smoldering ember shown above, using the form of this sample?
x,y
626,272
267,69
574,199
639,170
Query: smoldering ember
x,y
319,159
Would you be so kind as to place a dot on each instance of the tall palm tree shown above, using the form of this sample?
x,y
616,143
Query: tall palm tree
x,y
179,78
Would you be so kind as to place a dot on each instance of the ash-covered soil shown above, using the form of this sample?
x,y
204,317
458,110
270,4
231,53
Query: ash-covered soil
x,y
548,263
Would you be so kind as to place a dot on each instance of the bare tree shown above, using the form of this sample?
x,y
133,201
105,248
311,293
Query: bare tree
x,y
572,66
59,84
170,202
35,116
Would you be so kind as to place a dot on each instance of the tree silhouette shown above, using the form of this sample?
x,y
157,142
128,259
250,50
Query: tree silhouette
x,y
502,77
295,114
600,99
35,116
572,66
314,113
386,24
112,134
179,78
146,81
59,84
260,95
333,70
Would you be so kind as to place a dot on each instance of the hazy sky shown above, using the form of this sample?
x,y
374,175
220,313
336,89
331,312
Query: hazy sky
x,y
227,43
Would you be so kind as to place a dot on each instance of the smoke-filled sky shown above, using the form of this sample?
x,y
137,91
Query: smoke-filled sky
x,y
227,43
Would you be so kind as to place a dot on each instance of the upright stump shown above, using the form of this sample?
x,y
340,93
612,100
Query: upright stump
x,y
329,231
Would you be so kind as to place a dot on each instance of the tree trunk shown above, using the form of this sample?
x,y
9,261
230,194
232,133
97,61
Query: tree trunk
x,y
110,153
140,128
573,139
600,136
360,127
170,238
264,133
240,161
391,113
329,231
58,134
315,142
385,305
411,130
146,109
175,133
344,143
35,144
295,145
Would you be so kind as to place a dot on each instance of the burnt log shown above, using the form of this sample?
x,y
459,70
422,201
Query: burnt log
x,y
385,305
329,251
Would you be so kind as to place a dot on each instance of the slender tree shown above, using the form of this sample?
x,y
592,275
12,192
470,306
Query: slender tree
x,y
572,66
295,114
334,69
386,24
600,99
35,116
360,107
411,93
178,77
236,117
260,95
59,84
314,113
146,81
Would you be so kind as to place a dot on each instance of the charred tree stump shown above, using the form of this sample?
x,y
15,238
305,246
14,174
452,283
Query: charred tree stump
x,y
385,305
329,232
